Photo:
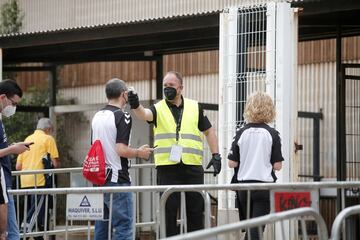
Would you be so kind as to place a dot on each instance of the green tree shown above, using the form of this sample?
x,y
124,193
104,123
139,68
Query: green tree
x,y
22,124
11,17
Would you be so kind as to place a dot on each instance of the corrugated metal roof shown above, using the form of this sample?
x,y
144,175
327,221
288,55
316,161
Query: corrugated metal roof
x,y
114,41
52,15
103,25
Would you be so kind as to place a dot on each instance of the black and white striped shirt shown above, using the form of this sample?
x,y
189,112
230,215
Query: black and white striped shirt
x,y
111,126
256,146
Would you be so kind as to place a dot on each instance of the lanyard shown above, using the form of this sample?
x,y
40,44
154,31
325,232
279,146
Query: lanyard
x,y
178,123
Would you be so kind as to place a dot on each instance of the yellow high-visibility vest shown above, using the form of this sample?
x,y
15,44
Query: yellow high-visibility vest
x,y
190,137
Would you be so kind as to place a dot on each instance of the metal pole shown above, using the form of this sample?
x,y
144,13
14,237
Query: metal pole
x,y
158,217
46,216
303,228
161,221
339,109
25,216
88,232
110,216
316,152
54,205
52,85
183,213
159,77
1,64
340,220
36,207
207,210
343,207
18,201
248,205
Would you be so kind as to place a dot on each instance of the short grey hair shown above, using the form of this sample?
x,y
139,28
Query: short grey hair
x,y
44,123
177,75
114,88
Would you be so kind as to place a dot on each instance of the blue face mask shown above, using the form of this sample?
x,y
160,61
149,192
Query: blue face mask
x,y
170,93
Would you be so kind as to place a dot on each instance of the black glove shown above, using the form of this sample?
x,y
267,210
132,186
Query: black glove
x,y
216,163
133,100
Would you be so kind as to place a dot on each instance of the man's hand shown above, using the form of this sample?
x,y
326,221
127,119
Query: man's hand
x,y
2,235
216,163
20,147
133,99
144,152
277,166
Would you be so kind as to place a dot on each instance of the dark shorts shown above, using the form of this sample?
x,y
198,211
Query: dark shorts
x,y
3,194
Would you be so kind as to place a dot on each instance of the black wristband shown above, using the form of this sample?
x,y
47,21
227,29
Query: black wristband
x,y
216,156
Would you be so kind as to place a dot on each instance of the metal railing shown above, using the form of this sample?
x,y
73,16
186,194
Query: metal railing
x,y
85,190
43,199
339,222
258,222
183,222
168,189
343,186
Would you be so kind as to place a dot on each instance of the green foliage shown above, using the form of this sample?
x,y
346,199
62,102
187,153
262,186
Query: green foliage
x,y
22,124
11,17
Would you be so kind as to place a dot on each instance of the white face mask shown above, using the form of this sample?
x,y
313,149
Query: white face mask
x,y
8,111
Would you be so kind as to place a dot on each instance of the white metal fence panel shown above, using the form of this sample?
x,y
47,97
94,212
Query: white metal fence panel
x,y
258,51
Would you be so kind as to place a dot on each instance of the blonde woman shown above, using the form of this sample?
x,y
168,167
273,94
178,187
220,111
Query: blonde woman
x,y
256,152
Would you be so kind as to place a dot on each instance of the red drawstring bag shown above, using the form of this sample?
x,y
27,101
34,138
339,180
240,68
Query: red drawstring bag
x,y
94,166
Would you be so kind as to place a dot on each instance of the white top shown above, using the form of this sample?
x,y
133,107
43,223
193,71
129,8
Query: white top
x,y
256,147
111,126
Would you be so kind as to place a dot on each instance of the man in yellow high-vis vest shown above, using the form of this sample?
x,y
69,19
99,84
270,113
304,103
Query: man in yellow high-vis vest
x,y
178,123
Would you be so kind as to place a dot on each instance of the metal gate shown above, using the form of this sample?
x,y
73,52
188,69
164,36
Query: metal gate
x,y
350,138
257,53
351,127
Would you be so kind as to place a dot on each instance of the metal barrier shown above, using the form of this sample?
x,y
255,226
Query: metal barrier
x,y
183,222
167,189
71,172
340,221
86,190
258,222
343,186
34,224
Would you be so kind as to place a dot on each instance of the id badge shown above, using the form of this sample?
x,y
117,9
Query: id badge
x,y
175,154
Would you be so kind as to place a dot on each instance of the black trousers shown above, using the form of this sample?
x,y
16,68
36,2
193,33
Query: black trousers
x,y
177,175
259,206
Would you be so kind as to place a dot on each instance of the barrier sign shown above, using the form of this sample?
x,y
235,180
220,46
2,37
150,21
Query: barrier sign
x,y
85,206
290,200
286,200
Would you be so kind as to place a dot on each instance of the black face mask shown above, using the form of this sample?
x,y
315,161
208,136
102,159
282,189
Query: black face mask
x,y
170,93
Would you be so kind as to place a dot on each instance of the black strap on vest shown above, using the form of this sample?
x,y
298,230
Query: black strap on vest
x,y
178,122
